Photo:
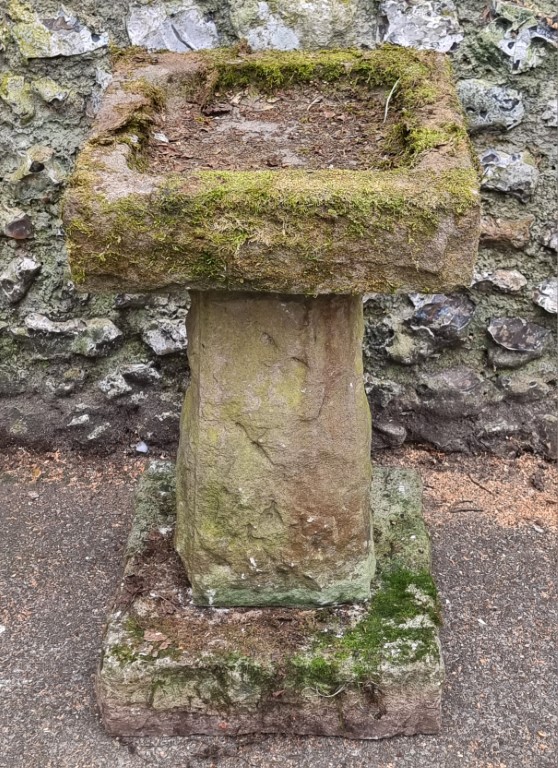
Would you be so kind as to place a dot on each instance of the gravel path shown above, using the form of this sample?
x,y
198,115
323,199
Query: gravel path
x,y
64,521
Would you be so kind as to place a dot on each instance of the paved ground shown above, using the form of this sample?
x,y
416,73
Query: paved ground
x,y
63,525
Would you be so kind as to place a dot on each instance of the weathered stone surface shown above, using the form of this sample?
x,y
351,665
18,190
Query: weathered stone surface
x,y
528,386
15,91
518,340
61,35
546,295
95,337
141,373
287,230
431,24
518,335
367,671
90,338
550,114
515,174
16,224
274,460
490,106
294,24
550,238
36,322
445,318
503,233
520,33
410,348
114,385
38,177
18,277
456,391
173,26
166,337
50,91
393,433
505,280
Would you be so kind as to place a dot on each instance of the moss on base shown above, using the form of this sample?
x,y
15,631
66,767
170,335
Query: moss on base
x,y
365,670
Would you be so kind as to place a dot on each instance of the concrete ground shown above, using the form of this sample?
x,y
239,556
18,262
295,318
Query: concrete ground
x,y
64,521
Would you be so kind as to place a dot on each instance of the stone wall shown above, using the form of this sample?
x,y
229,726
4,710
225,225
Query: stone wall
x,y
468,371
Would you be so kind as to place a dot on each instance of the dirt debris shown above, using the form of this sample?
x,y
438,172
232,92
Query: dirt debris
x,y
509,492
305,126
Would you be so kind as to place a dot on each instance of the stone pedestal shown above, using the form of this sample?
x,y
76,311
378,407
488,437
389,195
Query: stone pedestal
x,y
274,482
363,671
274,460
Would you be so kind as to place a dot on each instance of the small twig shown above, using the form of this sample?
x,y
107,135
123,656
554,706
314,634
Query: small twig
x,y
389,98
480,485
455,509
330,695
316,100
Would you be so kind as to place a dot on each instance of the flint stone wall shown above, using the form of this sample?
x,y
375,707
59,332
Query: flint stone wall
x,y
466,372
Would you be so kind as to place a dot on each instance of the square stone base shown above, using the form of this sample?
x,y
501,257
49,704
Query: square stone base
x,y
360,671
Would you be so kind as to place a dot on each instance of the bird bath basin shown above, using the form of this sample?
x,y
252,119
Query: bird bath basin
x,y
278,188
317,198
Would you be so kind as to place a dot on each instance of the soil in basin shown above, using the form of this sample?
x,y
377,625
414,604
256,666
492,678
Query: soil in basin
x,y
311,126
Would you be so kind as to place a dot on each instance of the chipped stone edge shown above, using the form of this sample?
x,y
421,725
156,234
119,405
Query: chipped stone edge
x,y
402,701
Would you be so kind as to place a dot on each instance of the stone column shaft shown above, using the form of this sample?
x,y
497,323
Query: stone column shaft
x,y
274,460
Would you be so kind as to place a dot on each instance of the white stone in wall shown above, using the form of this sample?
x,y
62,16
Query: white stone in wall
x,y
173,26
490,106
546,295
271,32
61,35
166,337
17,277
423,24
550,115
504,280
515,174
521,33
311,24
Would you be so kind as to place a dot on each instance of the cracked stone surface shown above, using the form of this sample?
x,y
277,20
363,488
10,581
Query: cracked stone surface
x,y
171,26
521,33
294,24
274,462
516,174
59,35
546,295
423,24
490,106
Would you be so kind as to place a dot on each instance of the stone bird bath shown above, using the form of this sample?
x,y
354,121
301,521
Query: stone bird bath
x,y
277,188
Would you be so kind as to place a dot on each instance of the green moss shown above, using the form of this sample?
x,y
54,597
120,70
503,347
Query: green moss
x,y
200,230
127,56
270,70
154,503
157,96
18,11
399,629
134,628
124,654
15,91
322,675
